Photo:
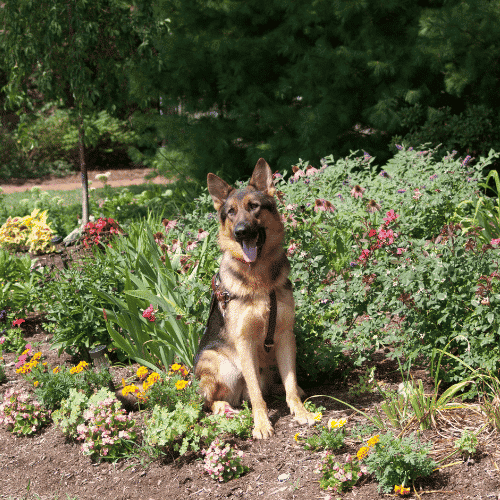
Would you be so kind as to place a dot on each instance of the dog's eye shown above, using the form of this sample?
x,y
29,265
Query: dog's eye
x,y
231,211
253,206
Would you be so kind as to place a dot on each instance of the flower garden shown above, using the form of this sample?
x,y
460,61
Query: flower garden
x,y
397,287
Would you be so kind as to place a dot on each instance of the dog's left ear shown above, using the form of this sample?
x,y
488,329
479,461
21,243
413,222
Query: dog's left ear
x,y
262,178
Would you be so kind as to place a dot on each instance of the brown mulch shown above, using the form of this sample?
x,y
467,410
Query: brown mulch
x,y
46,466
118,178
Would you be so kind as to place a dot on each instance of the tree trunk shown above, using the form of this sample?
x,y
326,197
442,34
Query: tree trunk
x,y
83,170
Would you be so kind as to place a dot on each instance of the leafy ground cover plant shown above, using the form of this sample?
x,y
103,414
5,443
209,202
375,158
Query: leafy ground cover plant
x,y
21,415
398,461
466,443
222,462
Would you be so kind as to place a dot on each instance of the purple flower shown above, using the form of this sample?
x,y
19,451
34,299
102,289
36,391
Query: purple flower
x,y
400,191
466,160
399,147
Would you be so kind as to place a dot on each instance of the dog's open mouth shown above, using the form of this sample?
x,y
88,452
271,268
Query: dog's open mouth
x,y
252,247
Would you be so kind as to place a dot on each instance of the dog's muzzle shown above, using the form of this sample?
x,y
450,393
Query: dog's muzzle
x,y
250,239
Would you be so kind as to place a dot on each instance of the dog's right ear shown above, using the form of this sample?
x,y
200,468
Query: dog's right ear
x,y
219,190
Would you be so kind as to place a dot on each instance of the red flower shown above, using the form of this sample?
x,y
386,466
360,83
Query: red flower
x,y
18,322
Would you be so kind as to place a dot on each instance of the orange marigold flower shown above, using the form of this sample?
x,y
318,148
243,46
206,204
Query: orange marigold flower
x,y
56,370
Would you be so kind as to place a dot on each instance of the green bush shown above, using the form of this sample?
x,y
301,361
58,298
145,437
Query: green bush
x,y
74,314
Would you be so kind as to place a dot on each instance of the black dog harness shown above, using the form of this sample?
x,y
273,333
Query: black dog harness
x,y
223,297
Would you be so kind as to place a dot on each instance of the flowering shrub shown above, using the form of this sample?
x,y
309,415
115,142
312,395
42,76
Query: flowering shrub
x,y
222,462
340,477
100,232
31,231
21,415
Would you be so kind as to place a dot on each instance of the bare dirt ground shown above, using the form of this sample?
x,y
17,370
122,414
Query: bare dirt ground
x,y
118,178
47,466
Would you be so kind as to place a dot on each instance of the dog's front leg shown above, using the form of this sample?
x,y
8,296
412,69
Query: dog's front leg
x,y
250,369
285,357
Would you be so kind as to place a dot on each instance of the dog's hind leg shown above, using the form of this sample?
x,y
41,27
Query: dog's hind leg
x,y
221,383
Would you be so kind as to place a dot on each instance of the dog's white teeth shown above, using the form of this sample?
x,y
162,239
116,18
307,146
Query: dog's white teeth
x,y
249,251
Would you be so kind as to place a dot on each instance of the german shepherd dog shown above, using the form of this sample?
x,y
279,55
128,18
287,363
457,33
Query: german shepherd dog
x,y
237,352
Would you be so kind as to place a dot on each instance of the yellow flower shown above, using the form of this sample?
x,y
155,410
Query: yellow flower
x,y
175,367
142,372
36,356
296,437
336,424
181,384
55,370
374,440
362,452
35,383
129,388
153,378
401,490
318,416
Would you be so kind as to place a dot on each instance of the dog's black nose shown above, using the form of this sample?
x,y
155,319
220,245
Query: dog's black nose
x,y
243,231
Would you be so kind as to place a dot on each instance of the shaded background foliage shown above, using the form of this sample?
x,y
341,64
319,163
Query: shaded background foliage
x,y
213,86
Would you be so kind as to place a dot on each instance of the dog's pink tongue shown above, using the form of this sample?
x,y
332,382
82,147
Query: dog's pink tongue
x,y
249,252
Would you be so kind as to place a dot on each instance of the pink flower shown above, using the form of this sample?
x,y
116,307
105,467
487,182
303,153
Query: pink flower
x,y
400,251
364,255
149,313
390,216
310,170
322,205
292,248
357,191
201,234
297,173
18,322
169,224
2,340
495,241
191,245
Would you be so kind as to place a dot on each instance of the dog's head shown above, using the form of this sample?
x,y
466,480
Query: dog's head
x,y
250,223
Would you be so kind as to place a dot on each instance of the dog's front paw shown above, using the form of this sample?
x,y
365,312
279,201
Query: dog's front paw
x,y
263,428
300,414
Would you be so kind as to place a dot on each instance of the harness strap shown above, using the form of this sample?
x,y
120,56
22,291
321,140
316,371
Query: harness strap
x,y
269,342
